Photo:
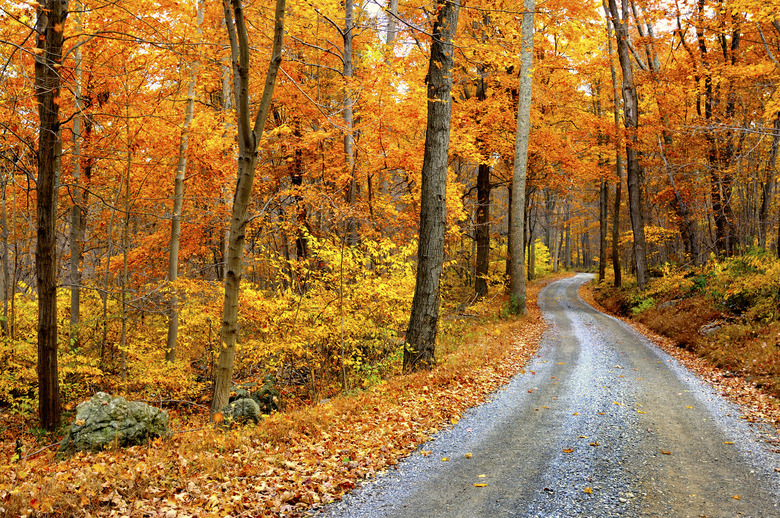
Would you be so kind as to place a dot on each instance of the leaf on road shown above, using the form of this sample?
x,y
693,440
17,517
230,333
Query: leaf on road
x,y
480,484
729,442
666,452
445,459
568,450
481,476
468,455
736,497
588,490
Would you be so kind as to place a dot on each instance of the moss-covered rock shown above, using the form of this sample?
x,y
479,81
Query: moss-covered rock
x,y
242,411
105,420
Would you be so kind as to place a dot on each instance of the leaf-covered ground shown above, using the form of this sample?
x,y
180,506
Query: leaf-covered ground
x,y
293,461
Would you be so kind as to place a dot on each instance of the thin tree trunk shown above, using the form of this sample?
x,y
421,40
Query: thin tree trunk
x,y
77,214
517,280
349,136
509,246
51,15
617,272
420,347
123,282
482,230
768,185
6,273
178,194
603,216
248,141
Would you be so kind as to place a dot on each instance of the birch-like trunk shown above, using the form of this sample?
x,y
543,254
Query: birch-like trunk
x,y
517,230
178,193
77,211
349,135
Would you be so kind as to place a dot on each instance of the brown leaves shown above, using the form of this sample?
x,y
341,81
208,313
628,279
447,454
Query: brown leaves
x,y
291,461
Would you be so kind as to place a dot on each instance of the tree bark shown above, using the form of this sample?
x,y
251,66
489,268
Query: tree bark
x,y
517,279
248,141
603,215
51,15
482,230
631,122
616,269
349,135
7,327
420,347
768,184
178,194
78,210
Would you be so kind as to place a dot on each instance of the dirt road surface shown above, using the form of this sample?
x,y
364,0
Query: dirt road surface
x,y
602,423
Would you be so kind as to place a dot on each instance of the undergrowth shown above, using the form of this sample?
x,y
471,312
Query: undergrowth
x,y
726,311
291,461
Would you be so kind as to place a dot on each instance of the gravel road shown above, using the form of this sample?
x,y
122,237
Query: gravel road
x,y
602,423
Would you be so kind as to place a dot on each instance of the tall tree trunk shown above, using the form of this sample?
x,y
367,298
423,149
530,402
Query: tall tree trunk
x,y
603,215
178,193
482,230
51,15
7,327
508,269
248,141
124,278
420,347
617,272
603,195
349,135
517,279
631,122
78,210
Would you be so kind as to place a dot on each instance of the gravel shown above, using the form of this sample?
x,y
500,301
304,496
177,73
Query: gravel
x,y
602,423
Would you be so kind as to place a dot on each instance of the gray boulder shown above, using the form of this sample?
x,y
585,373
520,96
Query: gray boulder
x,y
242,411
104,420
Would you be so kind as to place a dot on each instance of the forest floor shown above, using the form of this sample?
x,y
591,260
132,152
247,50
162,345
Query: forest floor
x,y
293,461
297,461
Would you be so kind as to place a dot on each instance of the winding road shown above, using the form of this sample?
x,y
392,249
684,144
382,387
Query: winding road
x,y
602,423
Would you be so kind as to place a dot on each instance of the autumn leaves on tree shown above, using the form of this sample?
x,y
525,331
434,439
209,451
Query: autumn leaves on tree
x,y
396,161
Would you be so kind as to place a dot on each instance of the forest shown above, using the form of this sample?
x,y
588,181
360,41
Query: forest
x,y
197,194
